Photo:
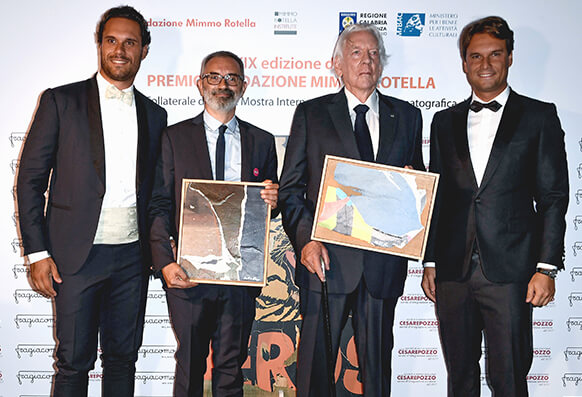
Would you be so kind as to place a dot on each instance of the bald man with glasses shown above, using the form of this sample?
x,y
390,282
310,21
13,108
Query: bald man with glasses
x,y
213,145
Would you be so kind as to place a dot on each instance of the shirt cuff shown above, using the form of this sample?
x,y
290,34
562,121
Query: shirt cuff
x,y
38,256
546,266
540,265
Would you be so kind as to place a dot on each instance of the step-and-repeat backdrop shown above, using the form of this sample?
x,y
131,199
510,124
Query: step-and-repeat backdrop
x,y
286,48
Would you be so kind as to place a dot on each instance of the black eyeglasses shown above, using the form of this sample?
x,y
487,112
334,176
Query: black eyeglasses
x,y
215,78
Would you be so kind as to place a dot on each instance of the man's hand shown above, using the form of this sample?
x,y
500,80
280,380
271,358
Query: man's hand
x,y
428,284
42,274
270,193
175,277
311,256
540,290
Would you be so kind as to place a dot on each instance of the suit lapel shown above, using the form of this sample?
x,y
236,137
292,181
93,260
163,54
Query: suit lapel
x,y
508,125
460,137
96,129
388,123
340,116
200,157
247,143
143,138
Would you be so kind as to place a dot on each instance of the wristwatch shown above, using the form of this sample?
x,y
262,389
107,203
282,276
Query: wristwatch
x,y
550,273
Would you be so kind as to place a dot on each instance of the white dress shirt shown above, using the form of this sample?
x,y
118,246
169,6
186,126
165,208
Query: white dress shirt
x,y
372,116
118,218
232,146
481,130
119,122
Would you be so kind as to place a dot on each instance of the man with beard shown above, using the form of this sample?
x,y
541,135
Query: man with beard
x,y
96,141
213,145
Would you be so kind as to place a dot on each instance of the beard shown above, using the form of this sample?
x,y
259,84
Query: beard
x,y
224,104
123,73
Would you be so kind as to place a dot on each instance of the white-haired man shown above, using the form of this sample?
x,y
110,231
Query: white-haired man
x,y
357,122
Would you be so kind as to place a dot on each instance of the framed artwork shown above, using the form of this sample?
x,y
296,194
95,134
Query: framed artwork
x,y
224,232
374,207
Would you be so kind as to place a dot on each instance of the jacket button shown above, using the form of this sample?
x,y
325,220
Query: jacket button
x,y
477,200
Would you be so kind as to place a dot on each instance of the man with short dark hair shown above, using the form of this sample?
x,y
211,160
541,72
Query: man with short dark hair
x,y
497,234
213,145
97,142
360,123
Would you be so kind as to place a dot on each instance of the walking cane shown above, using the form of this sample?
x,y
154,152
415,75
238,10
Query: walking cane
x,y
327,331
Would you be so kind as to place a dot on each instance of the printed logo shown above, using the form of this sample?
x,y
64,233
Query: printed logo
x,y
577,221
27,295
575,378
347,18
577,246
580,143
154,376
538,379
15,218
285,23
431,324
31,349
410,24
572,352
414,298
575,272
579,169
162,321
543,325
430,353
574,322
378,19
95,376
156,294
33,319
442,25
164,351
542,353
19,269
415,271
578,196
575,297
17,244
33,376
14,164
16,138
417,378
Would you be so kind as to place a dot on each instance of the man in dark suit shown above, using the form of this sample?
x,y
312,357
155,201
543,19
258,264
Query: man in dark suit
x,y
97,142
499,217
213,145
365,284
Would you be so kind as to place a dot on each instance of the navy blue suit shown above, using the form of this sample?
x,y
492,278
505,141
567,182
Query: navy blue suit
x,y
487,239
322,126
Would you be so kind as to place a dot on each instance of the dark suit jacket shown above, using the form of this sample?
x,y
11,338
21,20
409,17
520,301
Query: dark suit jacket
x,y
517,213
184,154
322,126
66,138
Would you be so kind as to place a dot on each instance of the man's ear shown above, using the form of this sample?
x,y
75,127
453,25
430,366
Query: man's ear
x,y
144,51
